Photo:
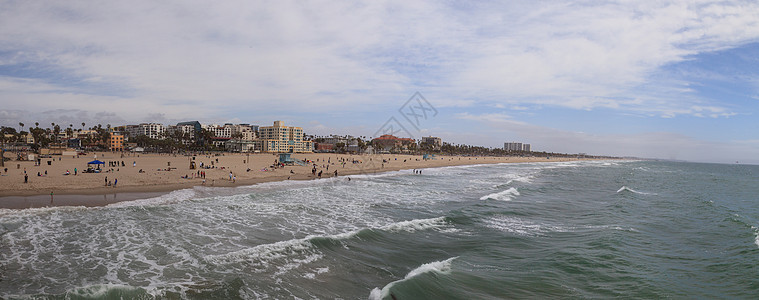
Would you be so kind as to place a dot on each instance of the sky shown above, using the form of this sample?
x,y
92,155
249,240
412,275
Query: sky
x,y
655,79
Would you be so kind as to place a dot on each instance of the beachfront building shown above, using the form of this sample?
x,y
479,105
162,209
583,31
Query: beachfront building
x,y
220,131
243,132
151,130
26,139
116,142
335,139
80,134
184,132
74,143
514,146
283,139
237,145
388,142
324,147
434,143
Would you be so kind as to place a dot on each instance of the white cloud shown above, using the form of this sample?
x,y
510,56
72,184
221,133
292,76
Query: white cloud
x,y
241,60
252,54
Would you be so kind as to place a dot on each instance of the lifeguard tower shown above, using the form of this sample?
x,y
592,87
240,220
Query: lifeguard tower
x,y
285,159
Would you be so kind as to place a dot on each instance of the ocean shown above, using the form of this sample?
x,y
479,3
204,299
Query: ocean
x,y
590,229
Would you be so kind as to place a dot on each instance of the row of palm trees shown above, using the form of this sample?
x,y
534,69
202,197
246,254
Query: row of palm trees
x,y
43,137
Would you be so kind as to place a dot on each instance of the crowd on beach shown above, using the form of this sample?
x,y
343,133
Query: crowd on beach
x,y
158,172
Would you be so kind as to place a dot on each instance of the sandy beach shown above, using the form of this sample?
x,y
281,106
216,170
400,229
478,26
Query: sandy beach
x,y
165,173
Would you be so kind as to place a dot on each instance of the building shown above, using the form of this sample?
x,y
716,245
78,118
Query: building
x,y
324,147
74,143
283,139
116,142
151,130
388,142
220,142
514,146
244,132
185,132
335,139
220,131
243,146
84,133
22,139
189,126
435,143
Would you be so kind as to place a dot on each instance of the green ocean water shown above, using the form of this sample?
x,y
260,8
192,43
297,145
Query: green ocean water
x,y
601,229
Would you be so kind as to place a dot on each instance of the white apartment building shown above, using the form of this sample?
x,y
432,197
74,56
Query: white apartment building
x,y
514,146
219,130
151,130
247,132
281,138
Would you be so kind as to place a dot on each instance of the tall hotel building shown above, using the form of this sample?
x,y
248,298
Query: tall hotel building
x,y
283,139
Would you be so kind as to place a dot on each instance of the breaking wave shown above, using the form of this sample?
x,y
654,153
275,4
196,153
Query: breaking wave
x,y
441,267
506,195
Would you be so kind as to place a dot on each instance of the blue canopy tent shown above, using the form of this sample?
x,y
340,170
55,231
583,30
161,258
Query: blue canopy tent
x,y
97,164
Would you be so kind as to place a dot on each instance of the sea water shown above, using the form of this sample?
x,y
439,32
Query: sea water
x,y
594,229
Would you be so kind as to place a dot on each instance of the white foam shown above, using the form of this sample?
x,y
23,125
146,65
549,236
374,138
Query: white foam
x,y
99,291
441,267
625,188
756,235
506,195
262,252
520,226
282,249
414,225
170,198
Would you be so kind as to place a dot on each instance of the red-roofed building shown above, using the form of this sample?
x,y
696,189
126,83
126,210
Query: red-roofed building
x,y
387,142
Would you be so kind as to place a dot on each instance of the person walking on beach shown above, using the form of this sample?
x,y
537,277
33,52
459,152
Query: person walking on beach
x,y
106,181
74,171
115,182
26,178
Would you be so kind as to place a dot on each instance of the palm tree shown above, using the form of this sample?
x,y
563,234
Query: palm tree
x,y
21,125
56,130
82,125
36,124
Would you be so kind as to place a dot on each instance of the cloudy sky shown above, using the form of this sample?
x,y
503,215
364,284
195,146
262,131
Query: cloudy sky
x,y
663,79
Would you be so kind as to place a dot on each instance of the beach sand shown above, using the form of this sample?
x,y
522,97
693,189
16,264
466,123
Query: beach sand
x,y
164,173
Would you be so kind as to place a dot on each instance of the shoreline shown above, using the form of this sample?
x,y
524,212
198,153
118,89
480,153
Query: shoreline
x,y
99,195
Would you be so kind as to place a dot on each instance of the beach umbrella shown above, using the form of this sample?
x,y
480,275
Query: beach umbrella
x,y
96,162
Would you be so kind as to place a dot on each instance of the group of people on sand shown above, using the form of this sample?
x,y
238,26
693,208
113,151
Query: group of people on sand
x,y
109,183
